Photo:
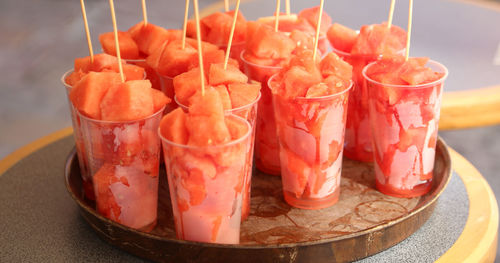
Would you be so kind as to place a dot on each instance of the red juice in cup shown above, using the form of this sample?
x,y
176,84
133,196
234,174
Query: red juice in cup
x,y
360,49
404,103
206,155
310,104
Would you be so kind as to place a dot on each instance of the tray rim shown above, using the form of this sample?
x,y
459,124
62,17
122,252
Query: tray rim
x,y
440,188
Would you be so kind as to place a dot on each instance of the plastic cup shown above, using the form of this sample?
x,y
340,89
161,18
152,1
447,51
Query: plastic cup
x,y
167,86
88,189
404,122
206,188
123,160
249,113
358,142
311,137
266,141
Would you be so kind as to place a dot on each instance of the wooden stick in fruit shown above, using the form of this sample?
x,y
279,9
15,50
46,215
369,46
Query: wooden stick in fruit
x,y
318,27
277,16
198,39
87,32
184,29
226,5
144,12
391,13
228,50
287,7
117,45
408,34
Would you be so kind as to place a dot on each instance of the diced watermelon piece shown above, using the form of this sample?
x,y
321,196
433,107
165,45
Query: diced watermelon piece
x,y
312,15
128,47
173,126
129,101
101,61
297,171
242,94
176,60
318,90
87,94
160,100
186,85
303,39
105,200
265,43
296,82
145,35
341,37
236,128
218,75
74,77
224,96
379,40
332,64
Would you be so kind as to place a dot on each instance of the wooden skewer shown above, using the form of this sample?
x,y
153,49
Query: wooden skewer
x,y
318,27
87,32
226,5
144,12
408,34
198,38
391,13
277,16
184,29
228,50
287,7
117,45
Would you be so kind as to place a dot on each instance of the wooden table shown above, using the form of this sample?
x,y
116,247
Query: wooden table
x,y
476,243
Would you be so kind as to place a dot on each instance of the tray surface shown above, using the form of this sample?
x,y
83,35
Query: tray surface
x,y
363,218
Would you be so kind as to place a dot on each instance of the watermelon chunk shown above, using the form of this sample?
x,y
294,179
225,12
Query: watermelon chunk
x,y
236,128
242,94
129,101
173,126
128,47
263,42
148,37
176,60
232,74
105,200
224,96
187,84
311,15
160,100
378,39
87,94
332,64
342,37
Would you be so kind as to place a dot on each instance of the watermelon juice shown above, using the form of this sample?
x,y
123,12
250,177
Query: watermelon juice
x,y
206,182
359,49
123,158
404,104
88,188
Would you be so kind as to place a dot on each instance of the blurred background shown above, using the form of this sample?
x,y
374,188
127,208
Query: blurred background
x,y
40,39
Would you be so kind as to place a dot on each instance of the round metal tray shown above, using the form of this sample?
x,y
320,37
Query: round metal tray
x,y
363,222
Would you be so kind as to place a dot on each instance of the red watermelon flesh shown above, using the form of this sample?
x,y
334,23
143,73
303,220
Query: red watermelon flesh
x,y
216,28
128,101
106,203
237,129
224,96
128,47
378,39
87,94
176,60
242,94
264,42
332,64
232,74
145,35
311,15
342,37
160,100
74,77
186,85
173,126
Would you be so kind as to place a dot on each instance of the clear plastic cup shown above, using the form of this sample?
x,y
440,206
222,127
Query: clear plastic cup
x,y
404,122
358,136
311,137
167,86
249,113
88,189
206,188
124,159
266,141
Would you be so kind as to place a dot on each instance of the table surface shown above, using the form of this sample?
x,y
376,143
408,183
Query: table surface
x,y
476,242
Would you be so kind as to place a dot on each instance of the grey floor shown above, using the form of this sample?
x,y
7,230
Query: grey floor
x,y
40,39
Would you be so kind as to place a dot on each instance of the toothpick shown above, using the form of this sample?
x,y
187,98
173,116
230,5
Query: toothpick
x,y
198,38
408,34
287,7
318,27
184,29
277,16
87,32
117,45
228,50
226,5
391,13
144,12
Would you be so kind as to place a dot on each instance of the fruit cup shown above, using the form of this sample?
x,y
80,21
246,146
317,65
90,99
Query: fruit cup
x,y
206,187
404,122
123,158
311,138
88,189
249,113
266,141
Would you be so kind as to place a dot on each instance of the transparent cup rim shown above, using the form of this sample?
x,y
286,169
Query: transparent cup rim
x,y
154,115
210,147
419,86
231,111
257,65
64,76
321,98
